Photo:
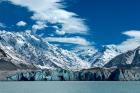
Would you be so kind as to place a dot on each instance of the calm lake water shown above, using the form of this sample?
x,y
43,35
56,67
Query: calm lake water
x,y
69,87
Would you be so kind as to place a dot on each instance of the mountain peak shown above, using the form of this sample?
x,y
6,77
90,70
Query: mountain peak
x,y
110,48
108,52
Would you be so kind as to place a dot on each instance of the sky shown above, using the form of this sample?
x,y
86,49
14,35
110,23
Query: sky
x,y
76,23
107,19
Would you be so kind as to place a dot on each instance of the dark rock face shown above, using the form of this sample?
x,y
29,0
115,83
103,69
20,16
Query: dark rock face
x,y
98,74
2,53
6,63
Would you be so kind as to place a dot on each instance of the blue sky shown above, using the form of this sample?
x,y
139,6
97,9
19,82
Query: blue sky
x,y
75,22
107,19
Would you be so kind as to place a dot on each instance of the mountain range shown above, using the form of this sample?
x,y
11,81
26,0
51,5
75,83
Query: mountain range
x,y
26,50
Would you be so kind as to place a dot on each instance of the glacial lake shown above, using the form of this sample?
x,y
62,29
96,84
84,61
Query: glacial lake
x,y
70,87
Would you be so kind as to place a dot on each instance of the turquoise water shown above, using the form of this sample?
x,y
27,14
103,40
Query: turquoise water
x,y
69,87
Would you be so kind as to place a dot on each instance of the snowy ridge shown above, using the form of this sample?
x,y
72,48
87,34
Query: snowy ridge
x,y
95,57
29,48
108,52
127,59
86,53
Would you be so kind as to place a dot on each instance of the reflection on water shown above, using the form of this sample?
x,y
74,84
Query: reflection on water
x,y
69,87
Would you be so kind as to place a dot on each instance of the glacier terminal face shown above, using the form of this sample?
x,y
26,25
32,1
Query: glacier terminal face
x,y
96,74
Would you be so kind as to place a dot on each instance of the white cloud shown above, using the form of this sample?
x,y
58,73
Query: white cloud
x,y
59,32
85,50
52,11
21,23
132,33
73,40
131,43
39,25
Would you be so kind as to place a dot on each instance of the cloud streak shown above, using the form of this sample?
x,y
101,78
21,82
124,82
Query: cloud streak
x,y
132,33
73,40
132,42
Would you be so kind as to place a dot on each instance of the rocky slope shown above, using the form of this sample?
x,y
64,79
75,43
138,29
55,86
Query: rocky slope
x,y
128,59
8,63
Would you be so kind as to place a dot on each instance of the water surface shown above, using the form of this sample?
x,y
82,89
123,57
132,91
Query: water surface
x,y
70,87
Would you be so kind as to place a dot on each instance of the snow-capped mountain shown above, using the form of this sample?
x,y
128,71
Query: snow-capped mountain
x,y
128,59
98,58
103,57
86,53
28,48
95,57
